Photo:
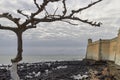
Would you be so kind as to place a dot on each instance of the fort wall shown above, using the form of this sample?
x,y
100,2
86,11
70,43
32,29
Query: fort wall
x,y
112,50
105,46
117,59
93,51
107,49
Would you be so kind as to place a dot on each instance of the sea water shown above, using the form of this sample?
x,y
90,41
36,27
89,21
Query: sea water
x,y
40,58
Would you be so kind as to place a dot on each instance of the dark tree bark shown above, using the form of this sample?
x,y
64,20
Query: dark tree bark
x,y
19,48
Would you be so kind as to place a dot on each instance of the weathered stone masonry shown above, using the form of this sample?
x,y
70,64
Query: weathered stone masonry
x,y
104,49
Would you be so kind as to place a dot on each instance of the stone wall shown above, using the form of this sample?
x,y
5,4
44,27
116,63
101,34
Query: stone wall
x,y
105,46
113,48
93,51
117,59
98,50
104,49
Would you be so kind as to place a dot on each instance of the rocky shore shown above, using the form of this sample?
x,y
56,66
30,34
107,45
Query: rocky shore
x,y
64,70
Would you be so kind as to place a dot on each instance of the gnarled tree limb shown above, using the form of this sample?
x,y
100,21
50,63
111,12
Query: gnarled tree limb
x,y
64,7
7,28
10,17
56,17
86,7
36,4
20,12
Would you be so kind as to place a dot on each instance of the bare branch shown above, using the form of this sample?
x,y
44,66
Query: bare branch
x,y
86,21
30,26
51,18
46,12
55,11
69,22
55,17
81,9
10,17
20,12
64,6
42,6
36,4
68,18
7,28
54,0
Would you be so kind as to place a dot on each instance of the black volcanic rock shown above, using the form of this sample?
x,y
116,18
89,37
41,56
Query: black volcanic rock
x,y
60,70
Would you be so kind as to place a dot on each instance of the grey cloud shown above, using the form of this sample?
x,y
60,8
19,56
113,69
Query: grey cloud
x,y
54,43
53,51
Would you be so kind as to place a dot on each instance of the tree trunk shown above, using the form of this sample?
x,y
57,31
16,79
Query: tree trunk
x,y
13,72
18,58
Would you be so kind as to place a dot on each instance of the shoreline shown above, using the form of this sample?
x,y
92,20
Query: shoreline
x,y
41,58
62,70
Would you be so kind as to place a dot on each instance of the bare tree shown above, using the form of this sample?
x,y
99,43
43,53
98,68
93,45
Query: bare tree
x,y
31,20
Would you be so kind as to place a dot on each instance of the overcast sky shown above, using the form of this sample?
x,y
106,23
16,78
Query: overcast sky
x,y
58,37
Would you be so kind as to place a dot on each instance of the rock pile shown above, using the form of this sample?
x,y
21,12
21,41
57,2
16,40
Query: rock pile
x,y
60,70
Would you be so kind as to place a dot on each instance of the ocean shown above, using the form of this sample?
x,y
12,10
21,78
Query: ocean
x,y
41,58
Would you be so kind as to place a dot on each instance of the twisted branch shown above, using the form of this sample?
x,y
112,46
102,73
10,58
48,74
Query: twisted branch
x,y
64,6
55,17
20,12
36,4
81,9
7,28
10,17
31,19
